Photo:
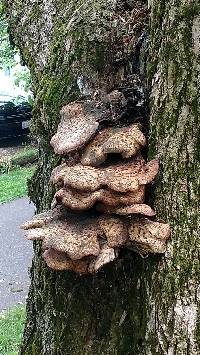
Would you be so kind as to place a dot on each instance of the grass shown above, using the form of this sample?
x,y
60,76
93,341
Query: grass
x,y
14,183
11,329
26,156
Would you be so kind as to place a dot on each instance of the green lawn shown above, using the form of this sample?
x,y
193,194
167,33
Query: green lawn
x,y
27,155
11,329
14,183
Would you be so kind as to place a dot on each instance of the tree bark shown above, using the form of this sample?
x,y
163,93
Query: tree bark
x,y
134,306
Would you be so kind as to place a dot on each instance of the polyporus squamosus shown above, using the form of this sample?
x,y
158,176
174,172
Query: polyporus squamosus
x,y
84,244
121,177
106,255
125,140
79,122
74,235
114,229
147,236
71,242
58,260
139,208
129,176
44,218
80,200
79,177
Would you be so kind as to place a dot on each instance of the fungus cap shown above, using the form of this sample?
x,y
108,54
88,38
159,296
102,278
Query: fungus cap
x,y
78,124
121,177
74,235
80,200
106,255
58,260
129,176
138,208
147,236
114,229
125,140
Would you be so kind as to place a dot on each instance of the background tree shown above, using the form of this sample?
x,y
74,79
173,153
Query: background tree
x,y
6,51
9,57
134,306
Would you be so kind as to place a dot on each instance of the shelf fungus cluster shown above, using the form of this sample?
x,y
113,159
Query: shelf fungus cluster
x,y
99,206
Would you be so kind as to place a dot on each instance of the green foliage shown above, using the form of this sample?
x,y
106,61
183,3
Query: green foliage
x,y
25,77
6,51
7,55
14,183
11,328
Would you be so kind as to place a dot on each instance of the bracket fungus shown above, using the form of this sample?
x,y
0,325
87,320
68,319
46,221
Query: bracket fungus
x,y
59,261
121,177
97,209
114,229
106,255
147,236
139,208
83,200
125,141
78,124
74,235
83,244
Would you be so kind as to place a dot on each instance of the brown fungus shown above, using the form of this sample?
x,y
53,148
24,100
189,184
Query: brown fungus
x,y
58,174
84,244
121,177
58,260
79,122
147,236
93,153
125,140
80,200
106,255
129,176
139,208
114,229
44,218
74,235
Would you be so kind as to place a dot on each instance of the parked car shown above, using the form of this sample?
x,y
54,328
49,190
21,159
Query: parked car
x,y
14,119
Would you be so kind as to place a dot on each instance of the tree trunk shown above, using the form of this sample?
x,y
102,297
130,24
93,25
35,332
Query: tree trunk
x,y
133,306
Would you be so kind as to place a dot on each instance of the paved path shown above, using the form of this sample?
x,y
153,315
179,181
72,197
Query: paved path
x,y
15,252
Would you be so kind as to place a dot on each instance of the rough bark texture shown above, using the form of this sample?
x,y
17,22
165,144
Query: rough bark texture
x,y
134,306
174,134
